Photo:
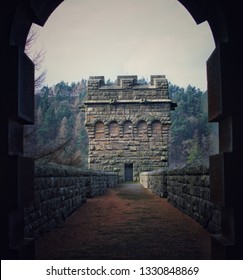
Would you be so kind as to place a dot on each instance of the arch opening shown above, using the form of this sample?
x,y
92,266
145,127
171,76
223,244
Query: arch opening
x,y
99,130
216,35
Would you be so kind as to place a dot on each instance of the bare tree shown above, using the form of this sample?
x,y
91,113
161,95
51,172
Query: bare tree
x,y
36,55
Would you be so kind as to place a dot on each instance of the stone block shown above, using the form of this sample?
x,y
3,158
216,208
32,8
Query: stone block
x,y
221,82
229,141
221,248
16,227
12,137
217,194
226,179
20,98
13,244
17,182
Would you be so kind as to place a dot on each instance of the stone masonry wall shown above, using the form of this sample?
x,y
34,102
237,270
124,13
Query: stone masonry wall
x,y
155,181
128,124
189,190
59,191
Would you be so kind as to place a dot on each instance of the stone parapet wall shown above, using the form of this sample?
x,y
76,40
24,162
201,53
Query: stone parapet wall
x,y
189,190
128,88
59,191
155,181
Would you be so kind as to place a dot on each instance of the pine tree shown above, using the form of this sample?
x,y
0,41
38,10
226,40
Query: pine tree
x,y
63,130
193,150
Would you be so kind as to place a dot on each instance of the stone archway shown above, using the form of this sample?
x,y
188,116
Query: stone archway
x,y
224,73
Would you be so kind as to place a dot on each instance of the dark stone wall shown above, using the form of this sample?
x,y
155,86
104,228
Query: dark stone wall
x,y
189,190
58,192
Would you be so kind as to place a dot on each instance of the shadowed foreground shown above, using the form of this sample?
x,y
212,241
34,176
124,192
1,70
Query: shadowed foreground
x,y
128,222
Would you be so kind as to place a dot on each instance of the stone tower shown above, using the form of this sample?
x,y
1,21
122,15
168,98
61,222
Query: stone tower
x,y
128,125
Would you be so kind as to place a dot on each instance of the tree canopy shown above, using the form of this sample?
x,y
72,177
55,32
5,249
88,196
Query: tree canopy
x,y
59,133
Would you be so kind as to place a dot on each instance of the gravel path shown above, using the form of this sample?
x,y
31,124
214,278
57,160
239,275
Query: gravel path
x,y
127,222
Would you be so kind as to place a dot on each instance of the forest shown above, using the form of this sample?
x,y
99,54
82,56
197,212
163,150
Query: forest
x,y
59,133
192,139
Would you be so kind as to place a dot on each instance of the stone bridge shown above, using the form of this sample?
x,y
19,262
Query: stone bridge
x,y
61,190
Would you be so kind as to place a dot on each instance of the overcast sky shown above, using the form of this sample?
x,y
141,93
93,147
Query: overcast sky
x,y
114,37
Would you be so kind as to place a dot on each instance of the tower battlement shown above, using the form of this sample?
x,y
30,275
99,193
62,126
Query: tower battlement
x,y
127,87
127,81
95,82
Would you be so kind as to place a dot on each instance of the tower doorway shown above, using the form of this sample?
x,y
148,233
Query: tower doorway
x,y
128,172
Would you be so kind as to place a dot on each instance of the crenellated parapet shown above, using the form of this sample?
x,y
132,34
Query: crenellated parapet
x,y
128,81
95,82
127,88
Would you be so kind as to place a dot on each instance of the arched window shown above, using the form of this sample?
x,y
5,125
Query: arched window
x,y
127,129
99,130
114,129
142,129
156,128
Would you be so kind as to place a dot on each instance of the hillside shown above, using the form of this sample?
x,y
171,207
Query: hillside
x,y
59,134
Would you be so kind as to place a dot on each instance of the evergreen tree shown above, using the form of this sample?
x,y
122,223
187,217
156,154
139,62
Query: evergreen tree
x,y
190,129
59,132
63,129
193,150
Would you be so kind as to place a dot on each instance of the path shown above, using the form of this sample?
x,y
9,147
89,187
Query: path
x,y
128,222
